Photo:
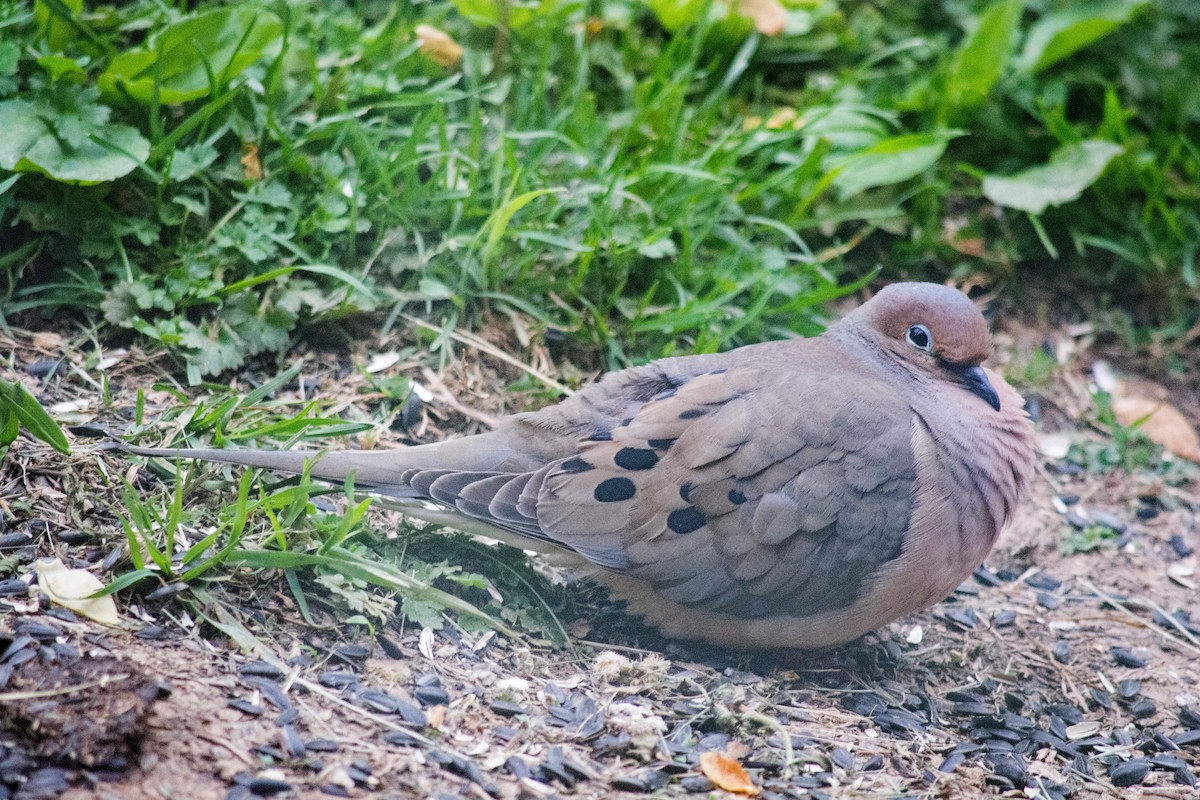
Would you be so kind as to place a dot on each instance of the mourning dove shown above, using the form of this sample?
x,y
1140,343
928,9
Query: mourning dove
x,y
795,494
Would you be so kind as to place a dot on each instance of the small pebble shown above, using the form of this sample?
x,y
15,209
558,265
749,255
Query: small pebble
x,y
1129,688
1061,651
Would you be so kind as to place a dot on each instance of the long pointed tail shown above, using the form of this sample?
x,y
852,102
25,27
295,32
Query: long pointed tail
x,y
377,468
488,452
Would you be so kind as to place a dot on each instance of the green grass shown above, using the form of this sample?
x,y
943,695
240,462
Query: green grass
x,y
587,169
201,528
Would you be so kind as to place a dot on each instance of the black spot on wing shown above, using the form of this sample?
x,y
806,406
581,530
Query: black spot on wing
x,y
686,520
614,490
600,436
661,444
635,458
685,491
693,413
574,466
737,497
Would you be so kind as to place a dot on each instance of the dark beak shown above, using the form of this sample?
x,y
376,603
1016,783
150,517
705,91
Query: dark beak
x,y
976,382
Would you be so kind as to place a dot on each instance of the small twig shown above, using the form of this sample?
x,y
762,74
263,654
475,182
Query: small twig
x,y
447,397
1192,645
767,721
472,340
10,697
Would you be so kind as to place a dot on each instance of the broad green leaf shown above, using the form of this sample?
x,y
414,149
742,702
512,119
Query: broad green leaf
x,y
982,58
1061,33
52,20
29,413
847,128
193,57
10,426
511,14
1063,178
889,161
31,144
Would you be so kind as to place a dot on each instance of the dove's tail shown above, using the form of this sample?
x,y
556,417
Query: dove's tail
x,y
330,466
386,473
488,452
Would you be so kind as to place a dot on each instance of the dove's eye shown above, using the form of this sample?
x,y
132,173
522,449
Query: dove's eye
x,y
918,336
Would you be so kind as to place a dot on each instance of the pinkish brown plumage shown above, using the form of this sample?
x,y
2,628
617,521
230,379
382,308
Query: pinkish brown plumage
x,y
797,493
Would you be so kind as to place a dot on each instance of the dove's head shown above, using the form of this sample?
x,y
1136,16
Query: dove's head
x,y
932,329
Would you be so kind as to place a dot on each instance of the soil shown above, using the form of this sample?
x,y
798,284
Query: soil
x,y
1047,675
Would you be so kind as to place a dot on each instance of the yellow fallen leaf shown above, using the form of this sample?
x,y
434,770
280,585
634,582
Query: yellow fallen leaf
x,y
438,47
70,588
770,17
1164,424
250,162
727,774
435,716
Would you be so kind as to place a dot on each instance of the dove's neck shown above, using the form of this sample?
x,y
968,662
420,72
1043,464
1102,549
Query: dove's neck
x,y
983,456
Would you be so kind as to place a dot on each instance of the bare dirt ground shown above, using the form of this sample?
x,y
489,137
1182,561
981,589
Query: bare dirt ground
x,y
1045,676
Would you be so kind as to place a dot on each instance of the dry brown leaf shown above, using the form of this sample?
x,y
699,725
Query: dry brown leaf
x,y
70,588
253,167
47,341
438,47
435,716
770,17
725,773
1164,424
